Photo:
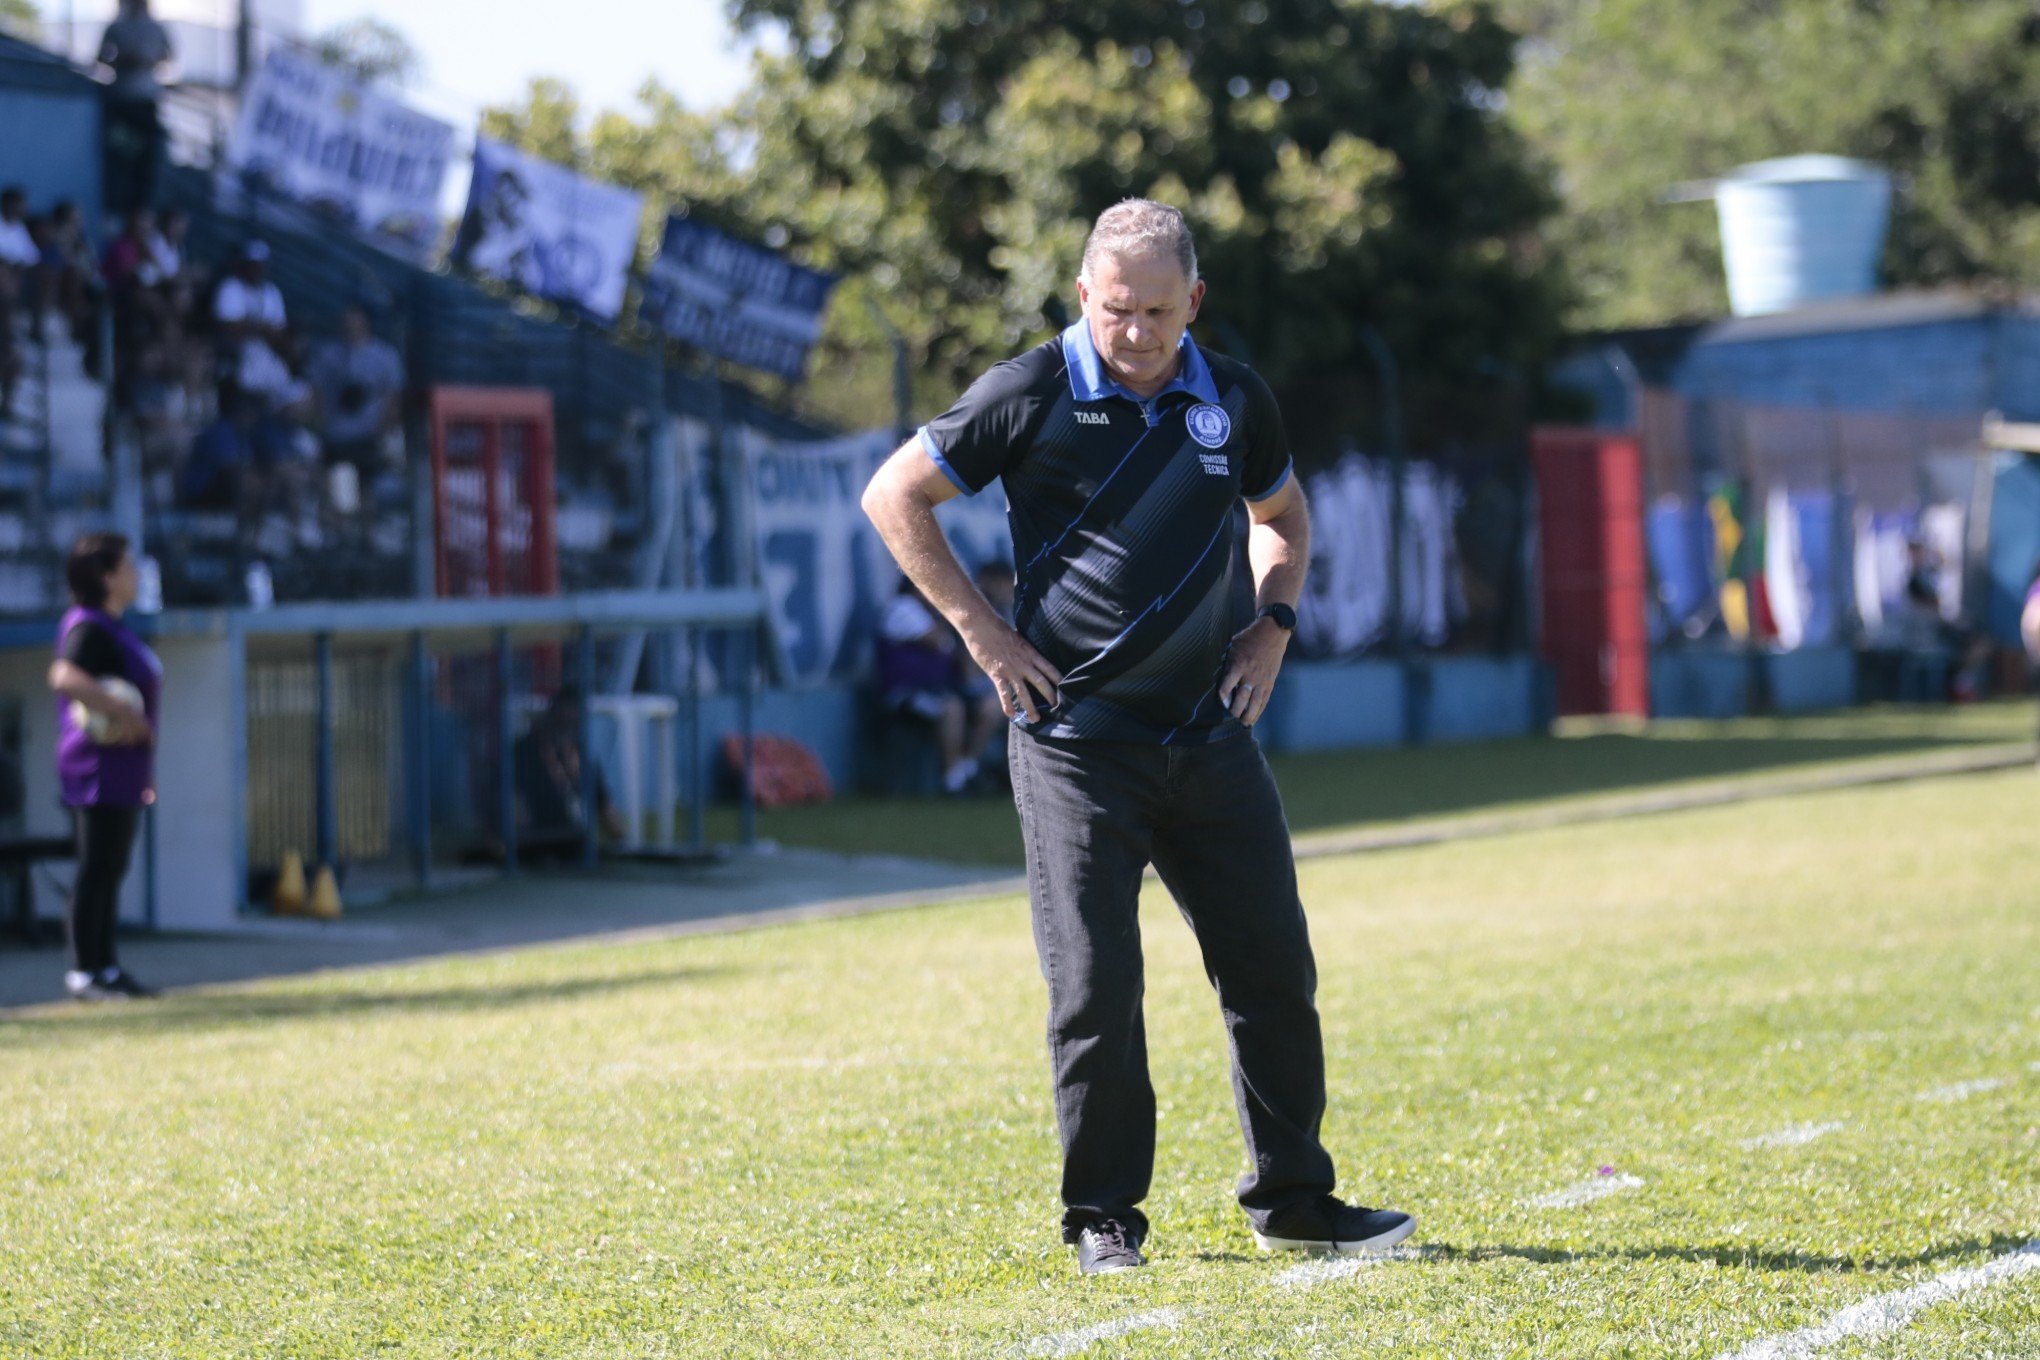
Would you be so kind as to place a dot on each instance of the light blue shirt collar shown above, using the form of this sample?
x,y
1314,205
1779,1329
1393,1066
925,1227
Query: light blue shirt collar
x,y
1090,382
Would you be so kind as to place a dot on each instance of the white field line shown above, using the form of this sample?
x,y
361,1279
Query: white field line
x,y
1962,1090
1792,1137
1586,1192
1069,1343
1340,1267
1889,1312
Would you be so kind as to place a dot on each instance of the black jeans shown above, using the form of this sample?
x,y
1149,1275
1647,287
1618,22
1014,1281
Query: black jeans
x,y
1095,814
106,841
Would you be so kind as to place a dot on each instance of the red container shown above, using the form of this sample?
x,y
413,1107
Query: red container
x,y
1594,580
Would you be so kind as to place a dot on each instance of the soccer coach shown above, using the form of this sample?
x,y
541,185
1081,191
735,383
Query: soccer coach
x,y
1138,659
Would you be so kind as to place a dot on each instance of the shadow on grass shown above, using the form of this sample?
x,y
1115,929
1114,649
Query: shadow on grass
x,y
1339,790
210,1009
1726,1256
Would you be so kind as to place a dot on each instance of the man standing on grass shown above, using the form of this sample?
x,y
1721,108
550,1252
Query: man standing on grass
x,y
1137,660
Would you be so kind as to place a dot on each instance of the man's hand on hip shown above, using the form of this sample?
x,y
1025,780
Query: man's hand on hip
x,y
1019,673
1251,665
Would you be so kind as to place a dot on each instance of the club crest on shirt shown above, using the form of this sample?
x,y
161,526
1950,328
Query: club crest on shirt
x,y
1209,425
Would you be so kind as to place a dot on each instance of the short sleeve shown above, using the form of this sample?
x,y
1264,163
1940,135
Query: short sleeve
x,y
977,439
92,650
1267,466
231,304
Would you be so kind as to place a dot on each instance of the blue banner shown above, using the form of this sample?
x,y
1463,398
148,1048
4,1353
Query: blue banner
x,y
735,300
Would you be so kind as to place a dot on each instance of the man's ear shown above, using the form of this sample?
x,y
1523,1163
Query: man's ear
x,y
1196,300
1083,295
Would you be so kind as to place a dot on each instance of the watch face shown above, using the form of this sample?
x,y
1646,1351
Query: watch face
x,y
1284,616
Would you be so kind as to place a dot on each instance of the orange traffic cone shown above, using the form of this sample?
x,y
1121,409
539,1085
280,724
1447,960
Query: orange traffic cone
x,y
326,895
289,899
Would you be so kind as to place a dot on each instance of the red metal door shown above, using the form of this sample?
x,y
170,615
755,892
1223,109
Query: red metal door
x,y
1590,499
493,492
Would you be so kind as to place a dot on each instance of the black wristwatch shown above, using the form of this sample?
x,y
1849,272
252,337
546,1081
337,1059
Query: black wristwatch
x,y
1284,616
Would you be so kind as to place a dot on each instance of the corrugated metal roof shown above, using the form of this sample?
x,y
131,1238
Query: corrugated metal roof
x,y
1881,311
23,65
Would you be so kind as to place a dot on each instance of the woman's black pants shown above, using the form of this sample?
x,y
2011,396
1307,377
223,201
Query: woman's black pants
x,y
106,841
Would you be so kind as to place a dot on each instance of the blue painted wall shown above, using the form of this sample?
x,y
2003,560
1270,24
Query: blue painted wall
x,y
1959,367
50,147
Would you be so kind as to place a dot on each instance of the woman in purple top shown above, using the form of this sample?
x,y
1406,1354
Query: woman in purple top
x,y
106,782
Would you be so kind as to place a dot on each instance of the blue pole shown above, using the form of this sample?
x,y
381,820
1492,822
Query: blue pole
x,y
421,761
591,812
749,792
328,775
506,747
697,787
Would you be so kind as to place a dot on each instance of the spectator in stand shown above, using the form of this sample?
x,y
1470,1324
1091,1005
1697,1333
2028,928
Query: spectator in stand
x,y
254,332
917,674
166,251
358,381
74,269
17,246
130,255
248,306
223,470
18,255
134,45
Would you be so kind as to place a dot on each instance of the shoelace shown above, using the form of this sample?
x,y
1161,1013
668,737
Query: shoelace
x,y
1111,1233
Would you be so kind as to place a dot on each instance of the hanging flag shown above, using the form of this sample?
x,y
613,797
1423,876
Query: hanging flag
x,y
554,233
316,134
734,300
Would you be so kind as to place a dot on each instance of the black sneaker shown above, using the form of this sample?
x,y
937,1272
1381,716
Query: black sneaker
x,y
1326,1224
121,982
1107,1247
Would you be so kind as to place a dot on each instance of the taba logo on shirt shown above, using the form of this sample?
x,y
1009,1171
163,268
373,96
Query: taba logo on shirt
x,y
1209,425
1093,418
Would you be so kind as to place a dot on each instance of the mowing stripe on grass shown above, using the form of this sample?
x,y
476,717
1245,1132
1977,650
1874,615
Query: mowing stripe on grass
x,y
1340,1267
1962,1090
1792,1137
1889,1312
1586,1192
1684,798
1069,1343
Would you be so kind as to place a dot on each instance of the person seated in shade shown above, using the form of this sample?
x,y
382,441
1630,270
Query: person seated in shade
x,y
546,767
920,677
357,380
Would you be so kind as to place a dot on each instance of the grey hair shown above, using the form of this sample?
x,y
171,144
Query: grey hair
x,y
1135,227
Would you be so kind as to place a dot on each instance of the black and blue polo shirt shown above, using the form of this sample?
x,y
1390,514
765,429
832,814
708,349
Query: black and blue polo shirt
x,y
1128,535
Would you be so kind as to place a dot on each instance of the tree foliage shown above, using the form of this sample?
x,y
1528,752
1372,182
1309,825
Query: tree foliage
x,y
371,50
1630,97
1344,162
21,19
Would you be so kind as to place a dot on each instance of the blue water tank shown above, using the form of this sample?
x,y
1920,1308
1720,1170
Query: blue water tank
x,y
1801,229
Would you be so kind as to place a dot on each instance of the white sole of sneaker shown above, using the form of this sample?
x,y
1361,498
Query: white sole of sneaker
x,y
1378,1242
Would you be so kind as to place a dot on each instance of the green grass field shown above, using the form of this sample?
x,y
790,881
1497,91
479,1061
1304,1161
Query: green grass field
x,y
1341,790
835,1140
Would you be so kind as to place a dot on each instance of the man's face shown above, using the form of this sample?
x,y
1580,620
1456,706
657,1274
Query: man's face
x,y
11,206
1138,308
354,327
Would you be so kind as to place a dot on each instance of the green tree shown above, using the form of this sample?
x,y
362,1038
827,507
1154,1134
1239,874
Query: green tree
x,y
373,50
1345,163
1628,98
20,18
